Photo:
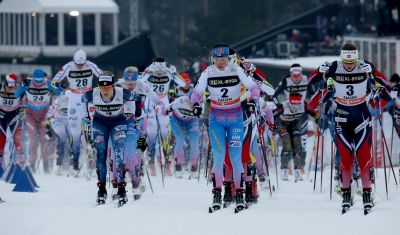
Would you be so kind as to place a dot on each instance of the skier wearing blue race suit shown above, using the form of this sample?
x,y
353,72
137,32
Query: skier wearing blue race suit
x,y
109,121
224,80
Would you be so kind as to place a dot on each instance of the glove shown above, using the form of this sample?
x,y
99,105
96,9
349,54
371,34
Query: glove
x,y
172,69
272,128
48,134
26,82
278,111
330,83
324,67
197,110
367,68
251,106
141,144
160,108
248,66
378,86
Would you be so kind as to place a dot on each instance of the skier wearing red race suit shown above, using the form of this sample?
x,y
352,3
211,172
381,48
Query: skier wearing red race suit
x,y
352,80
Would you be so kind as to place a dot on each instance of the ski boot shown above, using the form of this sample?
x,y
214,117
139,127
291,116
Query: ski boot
x,y
114,191
75,167
122,198
193,172
137,192
297,175
59,170
101,194
216,205
347,200
240,204
367,200
263,182
227,193
284,175
249,198
178,171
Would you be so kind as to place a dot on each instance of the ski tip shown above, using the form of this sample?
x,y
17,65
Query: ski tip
x,y
210,210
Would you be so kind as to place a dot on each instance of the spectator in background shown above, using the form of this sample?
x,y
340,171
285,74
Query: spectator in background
x,y
350,30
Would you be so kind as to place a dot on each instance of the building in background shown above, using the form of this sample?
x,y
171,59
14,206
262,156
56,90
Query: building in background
x,y
49,31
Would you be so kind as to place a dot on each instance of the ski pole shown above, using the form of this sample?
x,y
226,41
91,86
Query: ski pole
x,y
384,141
384,158
332,156
316,156
208,158
312,155
321,119
201,151
147,173
161,147
274,151
263,149
322,157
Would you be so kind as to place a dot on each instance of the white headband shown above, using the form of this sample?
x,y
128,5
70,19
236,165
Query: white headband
x,y
296,70
349,57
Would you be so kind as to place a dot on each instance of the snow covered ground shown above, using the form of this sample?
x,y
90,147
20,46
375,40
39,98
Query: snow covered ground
x,y
66,206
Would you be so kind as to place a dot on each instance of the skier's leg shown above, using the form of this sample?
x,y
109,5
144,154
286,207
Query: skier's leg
x,y
176,126
296,143
363,141
344,136
287,151
16,130
193,135
131,153
75,125
304,131
118,138
2,140
217,135
62,135
101,134
44,147
235,138
257,154
33,138
396,120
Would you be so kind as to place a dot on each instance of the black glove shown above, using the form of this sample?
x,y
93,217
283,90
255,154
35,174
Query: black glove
x,y
26,82
141,143
251,106
48,134
197,110
278,111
